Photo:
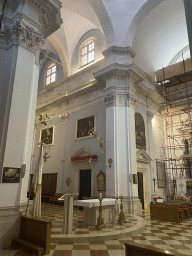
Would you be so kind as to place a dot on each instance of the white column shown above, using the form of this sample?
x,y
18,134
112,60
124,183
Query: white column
x,y
20,41
120,126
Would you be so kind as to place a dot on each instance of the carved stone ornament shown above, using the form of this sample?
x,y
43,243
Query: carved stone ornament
x,y
131,99
110,99
101,181
19,33
149,116
64,118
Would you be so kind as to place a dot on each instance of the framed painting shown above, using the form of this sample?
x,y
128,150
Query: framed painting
x,y
11,175
101,181
46,136
140,131
161,175
85,127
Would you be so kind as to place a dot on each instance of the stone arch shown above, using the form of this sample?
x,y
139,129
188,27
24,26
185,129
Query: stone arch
x,y
105,21
145,9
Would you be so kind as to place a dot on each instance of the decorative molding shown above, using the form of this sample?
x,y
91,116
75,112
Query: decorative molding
x,y
142,156
20,33
120,97
64,118
120,71
49,15
83,158
131,99
110,99
119,50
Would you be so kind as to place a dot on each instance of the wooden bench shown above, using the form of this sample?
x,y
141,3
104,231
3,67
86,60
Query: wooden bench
x,y
135,249
165,212
17,242
34,234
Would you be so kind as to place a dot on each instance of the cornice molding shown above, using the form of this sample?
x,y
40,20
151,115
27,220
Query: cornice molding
x,y
50,17
88,87
119,50
119,71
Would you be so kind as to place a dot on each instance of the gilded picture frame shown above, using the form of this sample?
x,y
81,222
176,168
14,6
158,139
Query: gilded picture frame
x,y
85,127
46,135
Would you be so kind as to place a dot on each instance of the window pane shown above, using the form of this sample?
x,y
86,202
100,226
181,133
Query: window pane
x,y
53,78
54,69
91,46
91,56
84,60
84,50
49,72
48,80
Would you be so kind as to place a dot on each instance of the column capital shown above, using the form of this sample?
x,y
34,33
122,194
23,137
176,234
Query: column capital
x,y
19,33
150,116
119,96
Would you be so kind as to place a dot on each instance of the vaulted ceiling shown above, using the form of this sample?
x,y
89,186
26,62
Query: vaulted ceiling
x,y
155,29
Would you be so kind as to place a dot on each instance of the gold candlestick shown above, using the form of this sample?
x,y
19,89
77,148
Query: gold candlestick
x,y
100,221
121,219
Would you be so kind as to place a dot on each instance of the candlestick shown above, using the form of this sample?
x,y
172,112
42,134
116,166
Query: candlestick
x,y
100,195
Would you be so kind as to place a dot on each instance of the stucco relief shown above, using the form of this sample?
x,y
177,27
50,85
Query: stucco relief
x,y
19,33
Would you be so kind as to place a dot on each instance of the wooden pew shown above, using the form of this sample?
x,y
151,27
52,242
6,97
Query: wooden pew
x,y
135,249
164,212
35,235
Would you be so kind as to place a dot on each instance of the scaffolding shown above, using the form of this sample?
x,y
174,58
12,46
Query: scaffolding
x,y
175,83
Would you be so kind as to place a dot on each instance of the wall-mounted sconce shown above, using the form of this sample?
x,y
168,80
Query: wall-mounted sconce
x,y
110,161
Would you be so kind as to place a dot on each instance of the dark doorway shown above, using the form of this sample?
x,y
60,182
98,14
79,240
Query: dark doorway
x,y
85,184
140,188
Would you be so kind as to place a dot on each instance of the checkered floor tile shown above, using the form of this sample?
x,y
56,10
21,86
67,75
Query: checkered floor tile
x,y
162,235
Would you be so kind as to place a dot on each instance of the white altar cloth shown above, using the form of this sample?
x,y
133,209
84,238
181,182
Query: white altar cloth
x,y
95,202
91,210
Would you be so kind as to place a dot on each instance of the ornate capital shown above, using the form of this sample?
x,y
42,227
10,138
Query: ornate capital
x,y
131,99
19,33
110,99
150,116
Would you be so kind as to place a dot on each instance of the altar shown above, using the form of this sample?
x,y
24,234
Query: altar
x,y
91,210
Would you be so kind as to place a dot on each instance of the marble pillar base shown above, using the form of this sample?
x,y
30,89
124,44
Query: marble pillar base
x,y
132,205
9,224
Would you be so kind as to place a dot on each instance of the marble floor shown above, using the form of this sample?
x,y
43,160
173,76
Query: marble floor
x,y
163,235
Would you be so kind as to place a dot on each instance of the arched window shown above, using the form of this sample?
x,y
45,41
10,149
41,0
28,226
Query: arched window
x,y
87,52
140,131
51,74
